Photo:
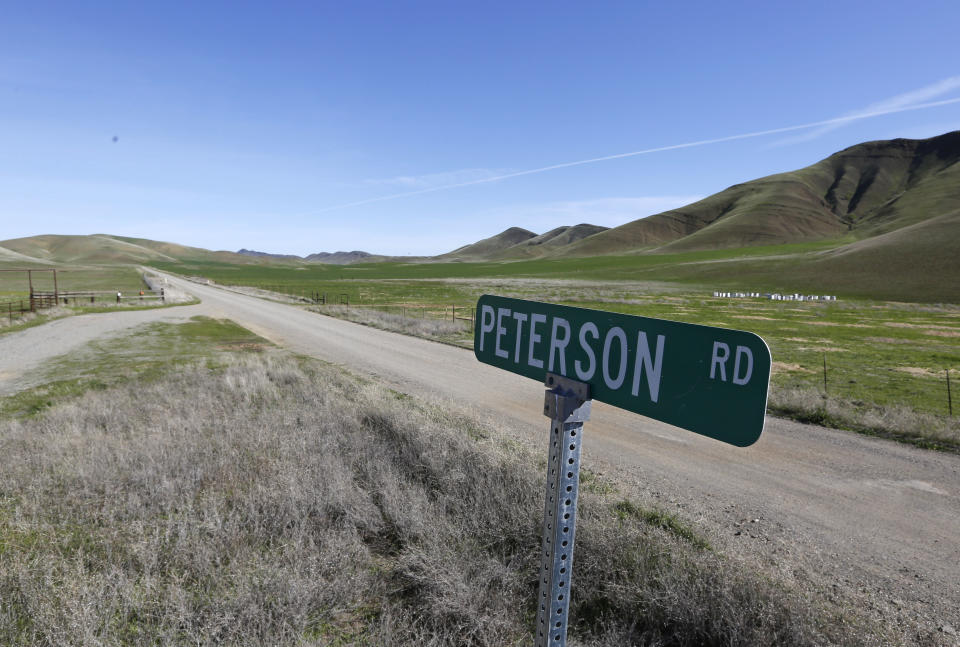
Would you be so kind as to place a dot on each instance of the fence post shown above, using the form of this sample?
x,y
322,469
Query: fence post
x,y
949,396
824,375
454,317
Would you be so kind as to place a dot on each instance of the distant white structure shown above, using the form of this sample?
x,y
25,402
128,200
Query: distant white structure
x,y
774,297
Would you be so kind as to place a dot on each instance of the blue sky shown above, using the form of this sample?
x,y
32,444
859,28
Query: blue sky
x,y
253,124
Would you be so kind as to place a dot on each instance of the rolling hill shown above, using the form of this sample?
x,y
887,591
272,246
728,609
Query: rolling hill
x,y
866,190
255,254
863,191
94,249
879,219
103,249
548,243
488,247
344,258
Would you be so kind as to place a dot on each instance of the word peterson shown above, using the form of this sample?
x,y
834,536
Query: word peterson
x,y
528,338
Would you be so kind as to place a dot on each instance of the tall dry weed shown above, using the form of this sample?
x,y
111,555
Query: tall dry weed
x,y
437,329
274,502
896,422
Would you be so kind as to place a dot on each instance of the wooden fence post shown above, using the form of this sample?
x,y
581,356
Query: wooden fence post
x,y
949,396
824,375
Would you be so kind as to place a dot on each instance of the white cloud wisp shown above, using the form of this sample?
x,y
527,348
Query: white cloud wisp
x,y
431,180
703,142
914,99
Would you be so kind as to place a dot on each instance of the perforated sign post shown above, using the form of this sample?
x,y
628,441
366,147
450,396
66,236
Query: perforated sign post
x,y
712,381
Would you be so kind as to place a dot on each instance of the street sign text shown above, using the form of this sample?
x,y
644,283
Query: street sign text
x,y
712,381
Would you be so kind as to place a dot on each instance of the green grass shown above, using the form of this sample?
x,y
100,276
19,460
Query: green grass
x,y
625,267
70,278
877,353
800,267
658,518
15,287
30,320
148,351
882,353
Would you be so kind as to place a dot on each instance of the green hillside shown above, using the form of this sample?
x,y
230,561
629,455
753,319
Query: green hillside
x,y
489,247
865,190
95,249
187,254
548,243
103,249
878,220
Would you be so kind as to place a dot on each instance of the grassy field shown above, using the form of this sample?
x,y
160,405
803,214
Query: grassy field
x,y
877,353
801,267
15,293
115,278
257,498
870,386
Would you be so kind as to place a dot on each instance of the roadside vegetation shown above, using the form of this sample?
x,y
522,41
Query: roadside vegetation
x,y
456,332
145,352
126,280
21,321
900,423
878,368
40,317
258,498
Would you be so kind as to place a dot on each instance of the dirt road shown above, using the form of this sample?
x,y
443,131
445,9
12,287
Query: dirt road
x,y
871,517
24,350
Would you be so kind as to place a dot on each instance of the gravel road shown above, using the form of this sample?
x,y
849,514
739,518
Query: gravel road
x,y
876,520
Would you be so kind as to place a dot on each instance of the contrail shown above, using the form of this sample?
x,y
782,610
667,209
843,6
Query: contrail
x,y
647,151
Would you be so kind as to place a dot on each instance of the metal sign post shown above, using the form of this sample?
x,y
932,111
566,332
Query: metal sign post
x,y
567,404
711,381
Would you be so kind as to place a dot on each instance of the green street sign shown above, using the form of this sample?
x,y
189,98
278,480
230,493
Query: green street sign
x,y
712,381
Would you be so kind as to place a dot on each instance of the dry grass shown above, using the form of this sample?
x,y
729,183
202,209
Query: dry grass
x,y
276,502
171,293
39,316
896,422
435,329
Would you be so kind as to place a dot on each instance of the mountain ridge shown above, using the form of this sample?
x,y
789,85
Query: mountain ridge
x,y
870,207
868,189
